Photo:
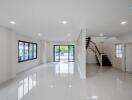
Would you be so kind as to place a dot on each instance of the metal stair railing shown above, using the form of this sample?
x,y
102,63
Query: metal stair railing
x,y
92,46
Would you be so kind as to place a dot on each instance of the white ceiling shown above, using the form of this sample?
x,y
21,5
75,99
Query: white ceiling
x,y
45,16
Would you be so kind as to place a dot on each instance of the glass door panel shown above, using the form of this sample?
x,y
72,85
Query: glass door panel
x,y
63,53
30,51
26,51
57,53
21,51
71,53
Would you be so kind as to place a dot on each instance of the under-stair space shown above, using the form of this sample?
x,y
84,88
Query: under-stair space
x,y
105,61
101,58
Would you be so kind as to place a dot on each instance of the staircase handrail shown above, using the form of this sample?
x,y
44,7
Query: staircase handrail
x,y
96,50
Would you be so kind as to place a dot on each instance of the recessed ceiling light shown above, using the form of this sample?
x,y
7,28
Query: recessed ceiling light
x,y
64,22
101,34
51,86
69,35
94,97
123,22
12,22
39,34
70,86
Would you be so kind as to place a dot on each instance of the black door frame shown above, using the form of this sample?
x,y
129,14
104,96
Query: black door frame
x,y
68,52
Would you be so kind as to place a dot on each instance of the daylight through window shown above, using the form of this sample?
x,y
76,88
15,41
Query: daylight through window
x,y
119,50
26,51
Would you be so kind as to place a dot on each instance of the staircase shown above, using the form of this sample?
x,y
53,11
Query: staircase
x,y
102,59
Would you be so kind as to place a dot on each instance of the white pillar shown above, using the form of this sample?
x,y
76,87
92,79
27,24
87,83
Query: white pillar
x,y
43,52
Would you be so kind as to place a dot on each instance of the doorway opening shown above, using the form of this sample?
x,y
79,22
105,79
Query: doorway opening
x,y
64,53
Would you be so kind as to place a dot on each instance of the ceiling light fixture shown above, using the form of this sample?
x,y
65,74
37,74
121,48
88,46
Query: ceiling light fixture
x,y
39,34
94,97
101,34
69,35
12,22
123,22
51,86
64,22
70,86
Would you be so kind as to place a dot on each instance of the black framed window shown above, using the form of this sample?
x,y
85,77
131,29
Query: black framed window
x,y
71,51
26,51
64,53
21,51
30,51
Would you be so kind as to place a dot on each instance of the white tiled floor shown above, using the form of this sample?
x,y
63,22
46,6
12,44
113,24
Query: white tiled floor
x,y
61,81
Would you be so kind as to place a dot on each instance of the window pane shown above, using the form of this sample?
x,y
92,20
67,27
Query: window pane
x,y
119,46
26,51
71,53
35,51
63,53
120,55
116,51
119,50
116,47
21,51
30,51
57,53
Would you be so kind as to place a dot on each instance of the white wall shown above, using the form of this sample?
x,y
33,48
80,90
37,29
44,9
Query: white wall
x,y
6,56
50,45
90,57
81,47
129,57
110,50
127,42
99,42
119,63
126,38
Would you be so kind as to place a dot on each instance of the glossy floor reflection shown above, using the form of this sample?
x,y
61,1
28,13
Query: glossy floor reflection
x,y
26,85
61,81
64,68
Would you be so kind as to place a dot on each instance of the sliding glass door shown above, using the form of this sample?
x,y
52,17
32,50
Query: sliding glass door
x,y
56,53
71,53
64,53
